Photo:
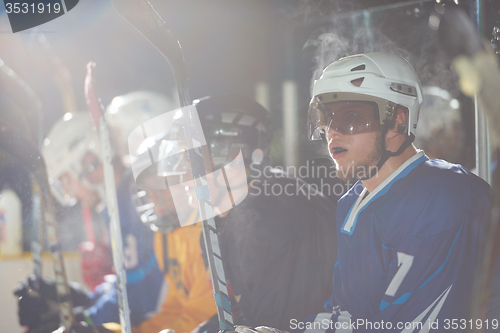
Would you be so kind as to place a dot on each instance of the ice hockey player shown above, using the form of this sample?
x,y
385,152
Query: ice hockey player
x,y
158,164
190,298
145,283
411,229
69,189
275,246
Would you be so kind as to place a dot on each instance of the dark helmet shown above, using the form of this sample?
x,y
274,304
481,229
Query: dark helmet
x,y
231,123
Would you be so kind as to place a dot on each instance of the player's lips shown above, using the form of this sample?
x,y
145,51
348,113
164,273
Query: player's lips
x,y
337,151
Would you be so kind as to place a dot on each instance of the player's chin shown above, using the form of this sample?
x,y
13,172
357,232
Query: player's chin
x,y
342,170
341,160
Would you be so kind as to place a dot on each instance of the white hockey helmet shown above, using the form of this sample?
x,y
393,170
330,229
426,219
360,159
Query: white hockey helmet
x,y
384,79
126,112
69,139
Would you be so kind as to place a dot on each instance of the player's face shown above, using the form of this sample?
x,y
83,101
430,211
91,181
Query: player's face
x,y
354,154
92,168
163,203
75,188
160,197
353,136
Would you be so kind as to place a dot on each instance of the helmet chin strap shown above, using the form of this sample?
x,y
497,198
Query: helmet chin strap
x,y
386,153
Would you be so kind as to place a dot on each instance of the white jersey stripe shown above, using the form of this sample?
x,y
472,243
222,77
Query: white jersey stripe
x,y
361,203
434,314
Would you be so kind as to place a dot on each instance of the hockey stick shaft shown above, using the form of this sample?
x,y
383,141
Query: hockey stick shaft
x,y
141,14
97,111
27,153
38,211
14,144
62,75
38,228
62,286
63,80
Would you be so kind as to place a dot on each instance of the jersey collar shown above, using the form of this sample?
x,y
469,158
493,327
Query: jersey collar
x,y
360,204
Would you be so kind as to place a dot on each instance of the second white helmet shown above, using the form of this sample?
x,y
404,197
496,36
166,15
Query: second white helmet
x,y
67,142
128,111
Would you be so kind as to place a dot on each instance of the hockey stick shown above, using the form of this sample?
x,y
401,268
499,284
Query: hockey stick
x,y
62,78
27,154
19,91
141,14
97,111
61,74
38,236
25,151
62,287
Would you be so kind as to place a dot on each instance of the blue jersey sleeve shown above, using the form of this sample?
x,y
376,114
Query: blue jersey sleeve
x,y
144,278
105,308
141,297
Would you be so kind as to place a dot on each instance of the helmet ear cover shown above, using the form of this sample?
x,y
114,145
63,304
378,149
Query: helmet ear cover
x,y
392,116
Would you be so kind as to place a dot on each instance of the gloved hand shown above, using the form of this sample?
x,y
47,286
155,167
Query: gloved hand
x,y
38,314
38,308
260,329
47,289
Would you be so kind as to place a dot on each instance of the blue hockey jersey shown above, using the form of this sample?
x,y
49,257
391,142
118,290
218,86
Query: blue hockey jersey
x,y
144,279
407,252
